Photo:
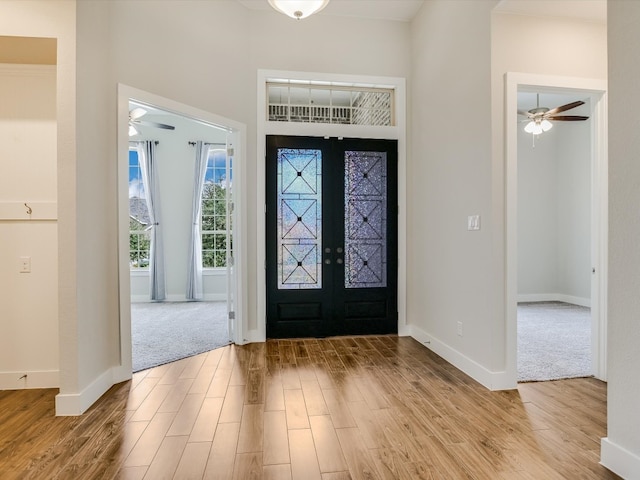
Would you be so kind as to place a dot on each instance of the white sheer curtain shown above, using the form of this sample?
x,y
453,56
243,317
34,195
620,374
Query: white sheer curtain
x,y
149,171
194,274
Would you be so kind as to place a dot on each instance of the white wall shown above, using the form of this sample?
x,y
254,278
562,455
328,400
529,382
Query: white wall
x,y
454,275
29,320
621,448
207,55
176,164
554,213
460,53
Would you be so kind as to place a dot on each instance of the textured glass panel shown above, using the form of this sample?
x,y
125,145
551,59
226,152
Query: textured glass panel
x,y
299,218
365,219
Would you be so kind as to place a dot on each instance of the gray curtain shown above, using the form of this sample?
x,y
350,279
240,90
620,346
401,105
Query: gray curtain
x,y
149,170
194,274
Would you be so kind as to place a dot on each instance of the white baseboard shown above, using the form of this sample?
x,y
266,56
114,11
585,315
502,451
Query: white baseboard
x,y
487,378
69,404
33,379
554,297
619,460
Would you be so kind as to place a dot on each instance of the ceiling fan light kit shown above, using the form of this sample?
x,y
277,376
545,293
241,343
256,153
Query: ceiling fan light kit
x,y
540,117
298,9
134,119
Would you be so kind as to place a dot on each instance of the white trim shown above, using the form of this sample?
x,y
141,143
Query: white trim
x,y
596,89
397,132
125,93
489,379
207,297
33,379
554,297
77,403
27,70
619,460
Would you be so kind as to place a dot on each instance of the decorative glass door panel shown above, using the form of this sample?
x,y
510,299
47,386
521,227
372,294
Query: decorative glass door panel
x,y
331,236
299,218
365,219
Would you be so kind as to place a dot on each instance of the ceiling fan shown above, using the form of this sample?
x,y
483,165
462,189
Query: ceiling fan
x,y
539,117
134,119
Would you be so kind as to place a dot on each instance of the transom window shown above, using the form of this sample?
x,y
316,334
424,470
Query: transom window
x,y
308,102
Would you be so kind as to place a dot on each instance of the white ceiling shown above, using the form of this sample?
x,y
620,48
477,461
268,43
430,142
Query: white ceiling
x,y
400,10
405,10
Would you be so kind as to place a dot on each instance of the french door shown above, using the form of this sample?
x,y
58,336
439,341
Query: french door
x,y
331,234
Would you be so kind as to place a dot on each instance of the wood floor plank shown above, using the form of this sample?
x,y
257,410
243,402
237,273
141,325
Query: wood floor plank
x,y
296,409
248,466
149,442
205,424
361,465
276,472
166,461
341,408
251,430
223,452
276,440
232,405
187,415
328,451
304,463
193,461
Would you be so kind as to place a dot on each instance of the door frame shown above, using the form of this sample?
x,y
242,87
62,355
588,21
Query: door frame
x,y
236,129
257,331
596,90
333,294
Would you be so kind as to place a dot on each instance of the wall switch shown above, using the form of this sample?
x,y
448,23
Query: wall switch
x,y
25,264
459,329
473,222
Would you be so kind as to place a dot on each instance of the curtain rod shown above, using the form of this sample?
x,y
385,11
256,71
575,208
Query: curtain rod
x,y
209,143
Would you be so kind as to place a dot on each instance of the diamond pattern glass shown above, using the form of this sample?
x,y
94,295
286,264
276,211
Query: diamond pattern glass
x,y
299,218
365,219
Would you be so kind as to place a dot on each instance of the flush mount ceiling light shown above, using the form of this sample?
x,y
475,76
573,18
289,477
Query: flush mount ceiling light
x,y
298,9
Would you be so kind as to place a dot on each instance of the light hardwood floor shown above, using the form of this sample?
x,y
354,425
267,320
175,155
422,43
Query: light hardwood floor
x,y
378,407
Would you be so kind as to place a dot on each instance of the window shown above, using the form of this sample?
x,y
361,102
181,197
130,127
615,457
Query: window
x,y
216,217
307,102
139,223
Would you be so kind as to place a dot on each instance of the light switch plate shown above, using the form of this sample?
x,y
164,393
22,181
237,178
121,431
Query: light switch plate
x,y
473,222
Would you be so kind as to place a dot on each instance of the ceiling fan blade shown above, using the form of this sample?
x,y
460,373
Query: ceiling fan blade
x,y
564,108
567,118
155,124
136,113
526,114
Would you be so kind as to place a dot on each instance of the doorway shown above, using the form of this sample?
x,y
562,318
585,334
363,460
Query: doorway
x,y
196,130
595,92
331,236
554,240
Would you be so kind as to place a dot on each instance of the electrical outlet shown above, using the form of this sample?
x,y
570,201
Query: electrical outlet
x,y
25,264
459,329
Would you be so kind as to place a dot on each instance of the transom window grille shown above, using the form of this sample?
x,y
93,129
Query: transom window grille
x,y
312,103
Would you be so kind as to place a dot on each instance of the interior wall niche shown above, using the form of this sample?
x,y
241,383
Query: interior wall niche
x,y
29,352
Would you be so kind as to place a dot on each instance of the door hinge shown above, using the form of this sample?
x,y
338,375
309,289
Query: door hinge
x,y
232,315
230,152
231,261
